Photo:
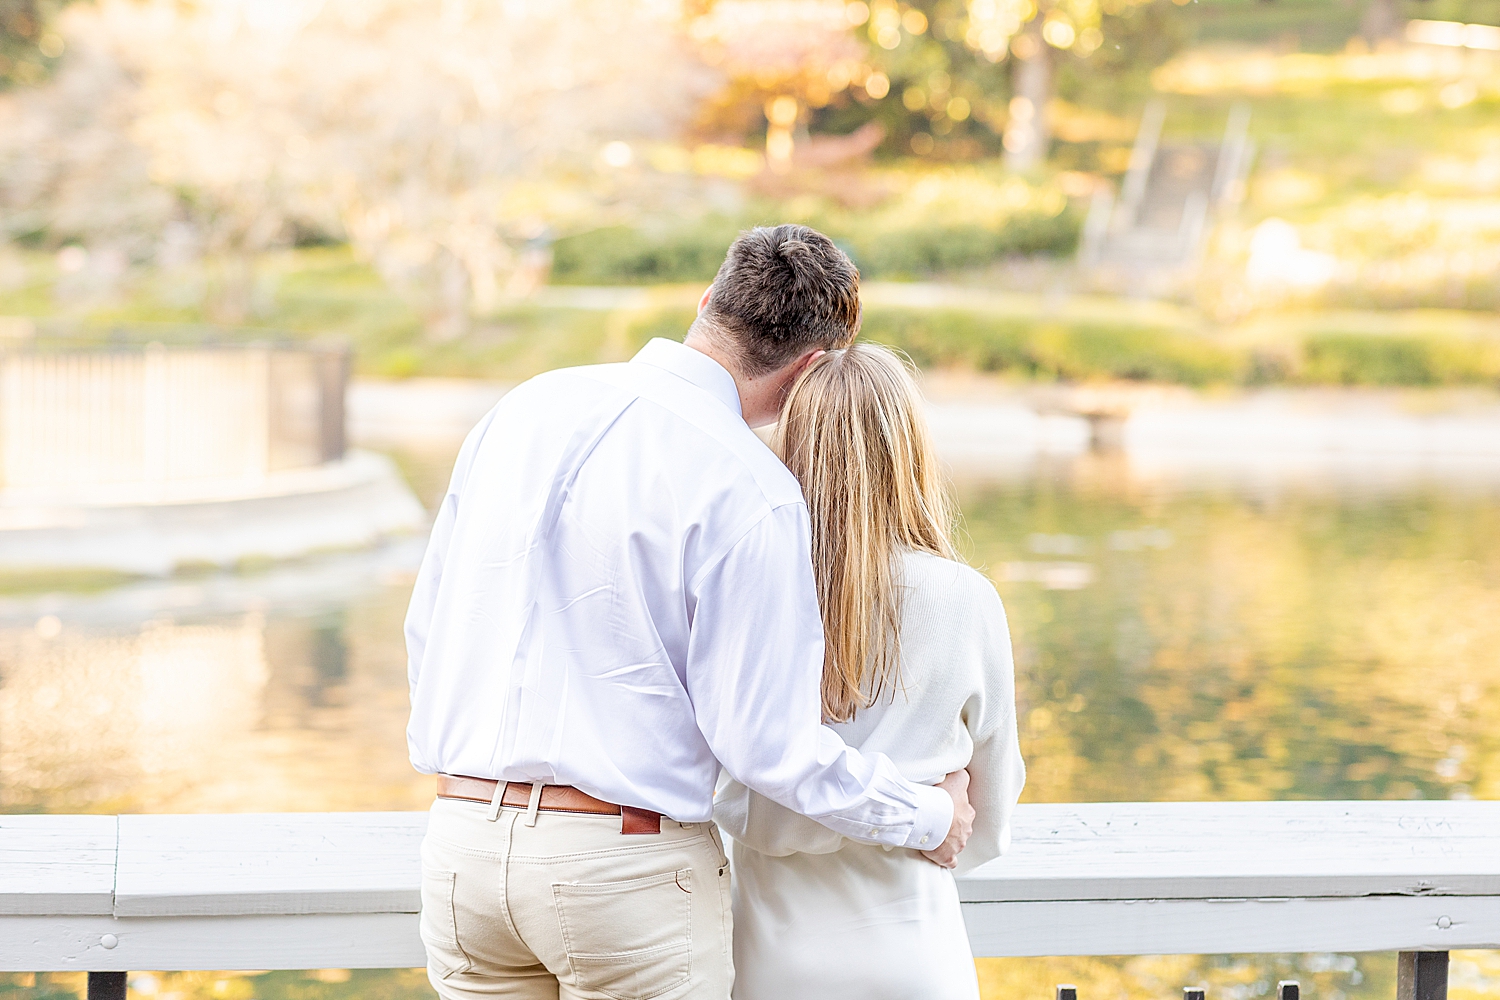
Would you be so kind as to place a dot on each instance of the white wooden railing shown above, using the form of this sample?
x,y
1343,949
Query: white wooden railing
x,y
341,890
166,415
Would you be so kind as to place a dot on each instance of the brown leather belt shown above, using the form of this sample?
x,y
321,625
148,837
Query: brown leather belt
x,y
555,798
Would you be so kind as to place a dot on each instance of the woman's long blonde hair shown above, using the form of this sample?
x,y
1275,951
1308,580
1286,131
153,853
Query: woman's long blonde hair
x,y
853,433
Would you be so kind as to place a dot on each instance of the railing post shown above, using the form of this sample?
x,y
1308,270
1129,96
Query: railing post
x,y
106,986
1422,975
1067,991
1288,989
1193,993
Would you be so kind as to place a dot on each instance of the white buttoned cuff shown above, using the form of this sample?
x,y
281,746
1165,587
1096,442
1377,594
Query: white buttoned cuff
x,y
934,819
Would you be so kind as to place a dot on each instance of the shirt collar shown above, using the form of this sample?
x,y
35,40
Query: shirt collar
x,y
694,366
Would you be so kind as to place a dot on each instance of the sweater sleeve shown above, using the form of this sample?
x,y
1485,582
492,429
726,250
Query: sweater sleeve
x,y
996,771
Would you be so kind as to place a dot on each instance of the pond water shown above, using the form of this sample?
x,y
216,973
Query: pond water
x,y
1174,640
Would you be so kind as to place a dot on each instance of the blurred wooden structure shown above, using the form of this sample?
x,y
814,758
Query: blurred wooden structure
x,y
160,415
341,890
1171,195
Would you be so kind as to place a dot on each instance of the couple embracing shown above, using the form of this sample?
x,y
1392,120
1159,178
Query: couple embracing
x,y
634,619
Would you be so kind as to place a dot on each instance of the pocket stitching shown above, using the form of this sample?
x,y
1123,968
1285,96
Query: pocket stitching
x,y
601,888
607,956
448,898
564,890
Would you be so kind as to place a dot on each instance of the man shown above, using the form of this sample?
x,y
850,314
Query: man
x,y
618,599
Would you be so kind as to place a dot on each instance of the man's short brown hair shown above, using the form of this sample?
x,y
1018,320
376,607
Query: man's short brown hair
x,y
781,291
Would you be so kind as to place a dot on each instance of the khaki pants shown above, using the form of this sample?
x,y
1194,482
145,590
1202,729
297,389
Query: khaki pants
x,y
572,908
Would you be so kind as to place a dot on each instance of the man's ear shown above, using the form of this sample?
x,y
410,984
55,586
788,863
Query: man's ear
x,y
703,302
806,360
793,371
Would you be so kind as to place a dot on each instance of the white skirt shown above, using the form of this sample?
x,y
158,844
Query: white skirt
x,y
862,923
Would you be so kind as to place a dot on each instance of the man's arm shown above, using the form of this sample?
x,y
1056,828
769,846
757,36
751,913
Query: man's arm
x,y
754,670
424,593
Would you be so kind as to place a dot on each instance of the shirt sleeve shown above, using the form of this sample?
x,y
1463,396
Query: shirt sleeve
x,y
430,576
754,671
424,591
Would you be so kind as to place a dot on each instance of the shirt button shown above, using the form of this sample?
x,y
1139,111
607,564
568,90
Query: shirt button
x,y
924,838
874,832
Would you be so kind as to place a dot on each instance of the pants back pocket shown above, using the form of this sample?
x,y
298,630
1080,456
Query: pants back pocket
x,y
629,940
439,925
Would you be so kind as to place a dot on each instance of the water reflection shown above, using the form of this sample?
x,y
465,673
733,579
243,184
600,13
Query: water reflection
x,y
277,691
93,718
1173,640
1189,642
1177,637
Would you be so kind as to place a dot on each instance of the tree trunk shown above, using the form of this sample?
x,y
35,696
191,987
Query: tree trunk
x,y
1027,134
1381,21
231,287
449,318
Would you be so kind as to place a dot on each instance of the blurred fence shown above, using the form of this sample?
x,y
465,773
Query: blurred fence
x,y
164,415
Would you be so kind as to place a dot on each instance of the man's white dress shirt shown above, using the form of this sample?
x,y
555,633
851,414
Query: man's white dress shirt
x,y
618,595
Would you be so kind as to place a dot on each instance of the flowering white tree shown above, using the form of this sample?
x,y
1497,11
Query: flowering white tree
x,y
439,136
68,166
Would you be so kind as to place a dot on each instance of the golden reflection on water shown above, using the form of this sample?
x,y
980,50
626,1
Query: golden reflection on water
x,y
1172,642
1298,644
97,719
259,710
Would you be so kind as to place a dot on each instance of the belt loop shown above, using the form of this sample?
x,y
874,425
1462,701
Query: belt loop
x,y
495,802
535,803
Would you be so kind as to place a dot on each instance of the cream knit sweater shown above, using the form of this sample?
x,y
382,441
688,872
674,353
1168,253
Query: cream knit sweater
x,y
956,708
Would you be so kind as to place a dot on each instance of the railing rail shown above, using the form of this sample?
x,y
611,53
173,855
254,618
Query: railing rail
x,y
321,890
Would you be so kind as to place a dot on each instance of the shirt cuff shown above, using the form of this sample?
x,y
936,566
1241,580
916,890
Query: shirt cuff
x,y
934,819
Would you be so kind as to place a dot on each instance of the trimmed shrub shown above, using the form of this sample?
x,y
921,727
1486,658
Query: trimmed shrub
x,y
1051,349
620,255
623,255
1374,359
924,252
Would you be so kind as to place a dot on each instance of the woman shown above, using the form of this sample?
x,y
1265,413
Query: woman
x,y
918,668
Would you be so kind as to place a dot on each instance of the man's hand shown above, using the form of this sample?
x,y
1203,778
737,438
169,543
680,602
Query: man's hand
x,y
945,855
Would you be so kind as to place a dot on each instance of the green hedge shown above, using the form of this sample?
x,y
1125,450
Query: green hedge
x,y
926,252
1072,349
1065,348
991,342
1405,360
622,255
1051,349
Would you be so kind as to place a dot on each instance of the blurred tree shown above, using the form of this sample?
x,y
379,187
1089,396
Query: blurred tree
x,y
70,171
442,138
966,78
949,78
1049,44
783,60
462,139
28,45
1383,20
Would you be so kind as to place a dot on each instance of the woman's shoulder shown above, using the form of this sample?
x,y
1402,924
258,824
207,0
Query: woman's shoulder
x,y
933,575
945,599
953,625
